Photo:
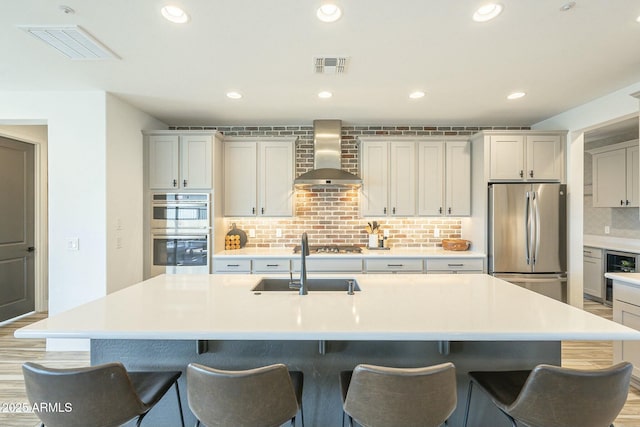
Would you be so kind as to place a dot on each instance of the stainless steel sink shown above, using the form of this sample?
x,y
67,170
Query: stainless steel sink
x,y
313,285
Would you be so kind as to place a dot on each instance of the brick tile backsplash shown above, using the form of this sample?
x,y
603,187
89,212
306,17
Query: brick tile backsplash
x,y
331,215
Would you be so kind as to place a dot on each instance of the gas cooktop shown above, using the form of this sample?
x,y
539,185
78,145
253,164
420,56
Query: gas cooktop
x,y
330,249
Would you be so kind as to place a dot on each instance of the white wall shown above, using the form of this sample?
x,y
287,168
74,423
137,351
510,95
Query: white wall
x,y
125,192
84,143
593,114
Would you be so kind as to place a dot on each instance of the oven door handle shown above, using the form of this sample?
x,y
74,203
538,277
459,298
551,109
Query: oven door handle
x,y
180,205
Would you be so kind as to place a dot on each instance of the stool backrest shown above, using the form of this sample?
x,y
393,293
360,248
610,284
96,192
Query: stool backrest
x,y
561,397
261,397
381,396
99,396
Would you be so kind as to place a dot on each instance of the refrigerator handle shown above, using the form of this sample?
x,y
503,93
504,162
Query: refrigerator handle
x,y
538,226
527,226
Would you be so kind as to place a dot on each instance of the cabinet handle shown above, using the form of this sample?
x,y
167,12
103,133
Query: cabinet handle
x,y
253,210
455,265
521,174
184,183
273,265
175,183
262,210
621,202
440,209
394,211
531,173
627,203
449,211
395,265
385,211
233,265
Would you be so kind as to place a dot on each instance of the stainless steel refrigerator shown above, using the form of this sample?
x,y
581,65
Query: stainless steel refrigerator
x,y
527,236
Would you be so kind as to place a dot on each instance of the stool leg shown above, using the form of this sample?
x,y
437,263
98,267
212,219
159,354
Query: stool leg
x,y
301,414
179,403
466,412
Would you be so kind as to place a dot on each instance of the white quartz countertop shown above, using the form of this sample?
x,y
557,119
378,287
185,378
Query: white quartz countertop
x,y
630,278
612,243
366,253
456,307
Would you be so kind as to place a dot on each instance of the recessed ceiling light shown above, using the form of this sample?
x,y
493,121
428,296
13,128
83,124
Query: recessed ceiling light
x,y
416,95
516,95
325,94
567,6
329,12
174,14
234,95
638,19
487,12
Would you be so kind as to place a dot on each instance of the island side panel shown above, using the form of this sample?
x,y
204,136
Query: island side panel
x,y
321,397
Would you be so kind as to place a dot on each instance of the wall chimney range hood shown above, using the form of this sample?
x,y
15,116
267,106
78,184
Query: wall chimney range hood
x,y
327,154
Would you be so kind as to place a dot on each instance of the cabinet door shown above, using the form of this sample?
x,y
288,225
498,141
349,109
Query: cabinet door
x,y
163,161
458,178
633,176
195,162
375,178
592,276
506,157
402,179
628,315
544,160
609,179
240,175
431,178
276,178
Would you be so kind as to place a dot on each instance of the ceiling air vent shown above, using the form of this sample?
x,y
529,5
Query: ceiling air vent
x,y
330,65
72,41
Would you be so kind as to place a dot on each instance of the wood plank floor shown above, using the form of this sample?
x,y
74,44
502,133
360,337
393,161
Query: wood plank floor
x,y
13,352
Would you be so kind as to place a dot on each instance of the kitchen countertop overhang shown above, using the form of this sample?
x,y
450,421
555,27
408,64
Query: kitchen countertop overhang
x,y
408,307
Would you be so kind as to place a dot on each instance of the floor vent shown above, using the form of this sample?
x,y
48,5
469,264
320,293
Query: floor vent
x,y
330,65
72,41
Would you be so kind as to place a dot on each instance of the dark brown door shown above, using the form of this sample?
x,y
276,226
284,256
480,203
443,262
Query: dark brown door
x,y
17,285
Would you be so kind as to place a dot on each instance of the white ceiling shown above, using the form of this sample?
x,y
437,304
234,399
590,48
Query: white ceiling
x,y
265,49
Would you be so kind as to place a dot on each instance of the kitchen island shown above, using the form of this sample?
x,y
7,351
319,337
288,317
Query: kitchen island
x,y
476,321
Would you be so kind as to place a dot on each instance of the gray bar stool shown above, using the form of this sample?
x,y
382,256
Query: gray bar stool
x,y
98,396
552,396
381,396
262,397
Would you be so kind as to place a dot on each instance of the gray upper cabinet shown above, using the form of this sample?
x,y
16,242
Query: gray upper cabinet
x,y
258,177
616,175
180,161
525,157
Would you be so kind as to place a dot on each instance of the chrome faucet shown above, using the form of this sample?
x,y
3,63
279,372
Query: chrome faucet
x,y
302,283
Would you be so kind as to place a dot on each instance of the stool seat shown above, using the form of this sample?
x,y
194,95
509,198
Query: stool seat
x,y
552,396
262,397
100,396
387,397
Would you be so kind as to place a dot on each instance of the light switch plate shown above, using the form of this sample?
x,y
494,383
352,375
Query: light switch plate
x,y
73,244
607,229
252,232
278,232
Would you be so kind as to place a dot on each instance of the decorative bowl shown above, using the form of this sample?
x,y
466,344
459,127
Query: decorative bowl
x,y
455,244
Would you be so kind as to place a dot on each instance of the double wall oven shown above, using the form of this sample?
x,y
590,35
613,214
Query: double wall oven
x,y
180,233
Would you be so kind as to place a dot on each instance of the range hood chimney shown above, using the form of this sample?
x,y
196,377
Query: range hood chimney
x,y
327,155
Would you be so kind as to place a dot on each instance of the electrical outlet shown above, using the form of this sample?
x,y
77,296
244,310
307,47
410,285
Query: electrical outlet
x,y
385,233
278,232
252,232
436,232
607,229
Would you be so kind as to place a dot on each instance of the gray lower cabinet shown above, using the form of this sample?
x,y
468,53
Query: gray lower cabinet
x,y
455,265
394,265
329,265
271,265
593,272
230,265
626,311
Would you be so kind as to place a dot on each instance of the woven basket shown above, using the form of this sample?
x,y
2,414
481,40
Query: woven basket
x,y
455,244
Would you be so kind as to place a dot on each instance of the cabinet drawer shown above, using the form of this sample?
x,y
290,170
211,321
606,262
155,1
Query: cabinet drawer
x,y
275,265
393,265
457,264
626,293
590,252
232,266
330,265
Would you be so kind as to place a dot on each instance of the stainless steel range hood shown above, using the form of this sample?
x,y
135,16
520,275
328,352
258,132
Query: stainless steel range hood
x,y
327,155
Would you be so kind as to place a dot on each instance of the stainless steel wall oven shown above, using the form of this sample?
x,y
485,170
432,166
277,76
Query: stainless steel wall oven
x,y
180,233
